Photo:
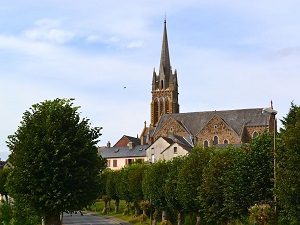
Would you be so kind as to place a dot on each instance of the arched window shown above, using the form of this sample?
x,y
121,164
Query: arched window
x,y
226,141
167,105
156,111
216,140
161,107
205,143
255,134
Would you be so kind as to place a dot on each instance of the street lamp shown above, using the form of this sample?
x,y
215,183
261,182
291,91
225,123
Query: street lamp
x,y
271,111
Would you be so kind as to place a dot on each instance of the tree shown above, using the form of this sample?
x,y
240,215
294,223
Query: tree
x,y
171,190
135,179
154,187
56,165
289,165
248,179
211,194
190,178
111,186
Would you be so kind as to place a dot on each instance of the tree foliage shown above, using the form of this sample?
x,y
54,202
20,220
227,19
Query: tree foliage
x,y
248,179
211,191
289,165
55,160
190,178
154,183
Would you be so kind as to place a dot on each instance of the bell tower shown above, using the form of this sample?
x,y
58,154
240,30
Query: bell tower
x,y
164,85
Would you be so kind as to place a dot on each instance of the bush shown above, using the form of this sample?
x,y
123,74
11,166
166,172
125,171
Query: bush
x,y
261,214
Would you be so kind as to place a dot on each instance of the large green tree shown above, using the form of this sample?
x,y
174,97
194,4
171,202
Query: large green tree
x,y
211,194
190,179
54,155
248,179
289,165
171,190
154,187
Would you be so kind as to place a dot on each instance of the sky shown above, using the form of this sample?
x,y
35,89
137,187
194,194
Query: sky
x,y
228,55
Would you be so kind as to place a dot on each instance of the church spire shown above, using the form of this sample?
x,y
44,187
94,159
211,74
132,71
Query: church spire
x,y
164,85
165,65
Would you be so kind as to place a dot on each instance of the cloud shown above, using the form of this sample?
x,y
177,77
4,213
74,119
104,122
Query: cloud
x,y
136,44
48,31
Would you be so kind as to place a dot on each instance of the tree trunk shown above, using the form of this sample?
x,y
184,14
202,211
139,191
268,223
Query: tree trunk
x,y
109,206
179,218
198,222
155,217
52,218
164,215
105,207
128,207
117,203
136,209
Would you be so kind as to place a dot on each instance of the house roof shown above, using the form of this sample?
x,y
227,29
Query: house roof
x,y
125,139
124,152
194,122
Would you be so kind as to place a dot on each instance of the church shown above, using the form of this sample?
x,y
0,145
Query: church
x,y
172,133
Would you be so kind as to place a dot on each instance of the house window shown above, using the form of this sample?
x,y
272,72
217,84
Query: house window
x,y
115,163
130,161
152,158
226,141
108,163
216,140
175,150
255,134
205,143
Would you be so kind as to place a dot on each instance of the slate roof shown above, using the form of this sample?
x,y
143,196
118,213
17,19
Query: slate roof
x,y
124,152
194,122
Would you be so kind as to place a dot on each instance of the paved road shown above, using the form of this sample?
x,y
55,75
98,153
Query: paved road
x,y
91,219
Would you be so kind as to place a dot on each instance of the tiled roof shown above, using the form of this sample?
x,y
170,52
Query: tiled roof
x,y
124,152
194,122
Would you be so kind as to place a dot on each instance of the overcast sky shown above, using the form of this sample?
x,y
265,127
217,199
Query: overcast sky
x,y
228,55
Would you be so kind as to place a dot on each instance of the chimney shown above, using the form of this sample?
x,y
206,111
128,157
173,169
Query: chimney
x,y
108,144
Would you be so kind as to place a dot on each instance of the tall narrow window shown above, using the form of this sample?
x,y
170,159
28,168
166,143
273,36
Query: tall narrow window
x,y
152,158
175,150
216,140
156,113
115,163
205,143
161,107
255,134
161,84
166,105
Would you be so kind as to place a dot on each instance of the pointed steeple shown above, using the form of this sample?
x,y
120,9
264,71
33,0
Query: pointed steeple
x,y
164,85
165,65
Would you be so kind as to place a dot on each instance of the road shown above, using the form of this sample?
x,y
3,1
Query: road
x,y
91,219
